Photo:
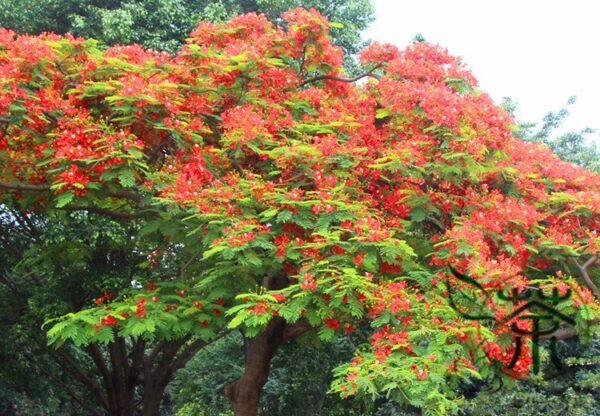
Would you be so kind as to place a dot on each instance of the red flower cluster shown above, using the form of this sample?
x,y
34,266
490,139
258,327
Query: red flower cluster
x,y
106,296
140,307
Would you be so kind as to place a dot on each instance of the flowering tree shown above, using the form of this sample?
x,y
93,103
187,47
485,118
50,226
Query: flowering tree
x,y
282,198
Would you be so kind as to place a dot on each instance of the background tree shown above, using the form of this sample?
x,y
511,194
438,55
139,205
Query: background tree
x,y
298,383
165,24
59,263
574,147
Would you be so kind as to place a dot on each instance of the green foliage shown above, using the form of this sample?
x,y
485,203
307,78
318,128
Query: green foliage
x,y
298,383
165,24
170,312
575,146
571,390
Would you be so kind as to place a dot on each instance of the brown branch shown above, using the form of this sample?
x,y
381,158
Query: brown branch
x,y
118,373
187,264
65,386
155,351
190,350
292,331
96,355
24,187
64,359
163,370
72,367
585,276
566,332
122,194
369,73
137,355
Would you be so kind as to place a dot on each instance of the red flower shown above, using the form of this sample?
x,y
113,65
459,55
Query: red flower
x,y
140,308
109,320
332,323
279,297
421,374
309,283
259,308
358,259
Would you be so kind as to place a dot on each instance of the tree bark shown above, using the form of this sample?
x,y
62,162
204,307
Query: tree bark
x,y
153,395
244,393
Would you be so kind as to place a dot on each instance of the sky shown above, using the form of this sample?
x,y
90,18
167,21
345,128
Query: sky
x,y
537,52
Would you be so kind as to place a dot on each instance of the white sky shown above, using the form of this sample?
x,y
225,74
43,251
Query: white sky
x,y
537,52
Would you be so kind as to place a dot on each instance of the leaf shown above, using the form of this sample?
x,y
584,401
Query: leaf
x,y
137,328
126,179
269,213
382,113
64,199
237,320
418,214
212,251
370,262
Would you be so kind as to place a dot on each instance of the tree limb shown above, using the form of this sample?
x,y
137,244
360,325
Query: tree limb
x,y
190,350
72,367
566,332
294,330
585,276
369,73
122,194
24,187
65,386
96,355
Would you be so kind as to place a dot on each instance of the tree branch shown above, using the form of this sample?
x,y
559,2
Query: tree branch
x,y
294,330
65,386
585,276
190,350
164,370
24,187
96,355
122,194
369,73
187,264
155,351
566,332
70,365
137,355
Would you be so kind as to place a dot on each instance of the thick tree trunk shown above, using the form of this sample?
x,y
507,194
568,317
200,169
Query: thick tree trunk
x,y
151,401
123,380
158,370
244,393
